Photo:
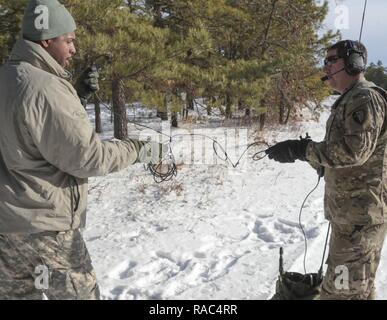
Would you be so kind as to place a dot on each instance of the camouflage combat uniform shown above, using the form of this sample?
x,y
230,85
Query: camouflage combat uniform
x,y
55,264
354,156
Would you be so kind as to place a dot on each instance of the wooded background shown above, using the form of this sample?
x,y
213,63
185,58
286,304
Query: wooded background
x,y
257,59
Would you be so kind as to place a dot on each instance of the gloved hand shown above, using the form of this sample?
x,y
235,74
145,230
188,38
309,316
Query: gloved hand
x,y
87,84
289,150
152,152
320,171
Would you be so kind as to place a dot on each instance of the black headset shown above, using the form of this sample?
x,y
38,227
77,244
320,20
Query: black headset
x,y
354,58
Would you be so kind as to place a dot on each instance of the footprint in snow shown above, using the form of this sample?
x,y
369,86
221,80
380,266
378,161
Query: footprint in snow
x,y
284,228
124,270
263,232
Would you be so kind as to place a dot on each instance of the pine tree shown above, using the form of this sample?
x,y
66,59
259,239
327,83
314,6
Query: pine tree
x,y
136,51
188,35
290,40
257,55
377,73
11,13
252,45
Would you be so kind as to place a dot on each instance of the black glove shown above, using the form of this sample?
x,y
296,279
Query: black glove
x,y
289,151
320,171
87,84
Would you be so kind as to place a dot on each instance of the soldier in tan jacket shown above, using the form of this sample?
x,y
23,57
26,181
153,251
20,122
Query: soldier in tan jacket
x,y
48,149
354,157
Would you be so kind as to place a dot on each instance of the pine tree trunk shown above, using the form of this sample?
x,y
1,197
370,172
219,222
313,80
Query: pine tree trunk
x,y
288,115
240,105
162,112
184,116
119,110
185,113
228,106
190,101
262,120
97,110
111,113
174,120
281,109
266,35
189,105
157,15
209,110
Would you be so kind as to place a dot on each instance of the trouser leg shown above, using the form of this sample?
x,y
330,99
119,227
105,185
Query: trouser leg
x,y
16,272
56,264
354,255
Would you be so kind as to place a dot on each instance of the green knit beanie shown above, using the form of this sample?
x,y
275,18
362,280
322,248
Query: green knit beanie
x,y
46,19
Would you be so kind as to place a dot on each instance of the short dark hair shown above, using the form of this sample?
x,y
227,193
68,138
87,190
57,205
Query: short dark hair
x,y
342,46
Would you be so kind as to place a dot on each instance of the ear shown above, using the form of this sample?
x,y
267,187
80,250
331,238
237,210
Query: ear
x,y
45,43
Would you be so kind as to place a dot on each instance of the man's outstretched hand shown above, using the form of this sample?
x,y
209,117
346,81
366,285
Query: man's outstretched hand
x,y
288,151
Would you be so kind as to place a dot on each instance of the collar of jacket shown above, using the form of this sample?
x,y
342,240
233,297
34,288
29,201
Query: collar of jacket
x,y
361,83
34,54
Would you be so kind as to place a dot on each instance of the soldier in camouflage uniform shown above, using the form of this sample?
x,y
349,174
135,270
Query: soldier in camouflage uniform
x,y
48,149
354,158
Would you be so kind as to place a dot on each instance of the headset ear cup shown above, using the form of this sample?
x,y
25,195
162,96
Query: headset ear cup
x,y
354,60
355,63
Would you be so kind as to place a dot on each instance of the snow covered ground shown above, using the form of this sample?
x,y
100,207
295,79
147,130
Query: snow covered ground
x,y
213,232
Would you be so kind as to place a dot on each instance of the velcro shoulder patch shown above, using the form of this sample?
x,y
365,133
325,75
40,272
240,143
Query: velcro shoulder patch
x,y
359,116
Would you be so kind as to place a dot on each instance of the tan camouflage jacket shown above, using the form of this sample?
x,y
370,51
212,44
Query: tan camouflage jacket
x,y
353,153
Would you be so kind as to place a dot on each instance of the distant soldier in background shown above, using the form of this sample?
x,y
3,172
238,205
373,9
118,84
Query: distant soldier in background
x,y
354,158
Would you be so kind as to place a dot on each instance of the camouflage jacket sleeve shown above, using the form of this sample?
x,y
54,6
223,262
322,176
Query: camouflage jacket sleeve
x,y
352,133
